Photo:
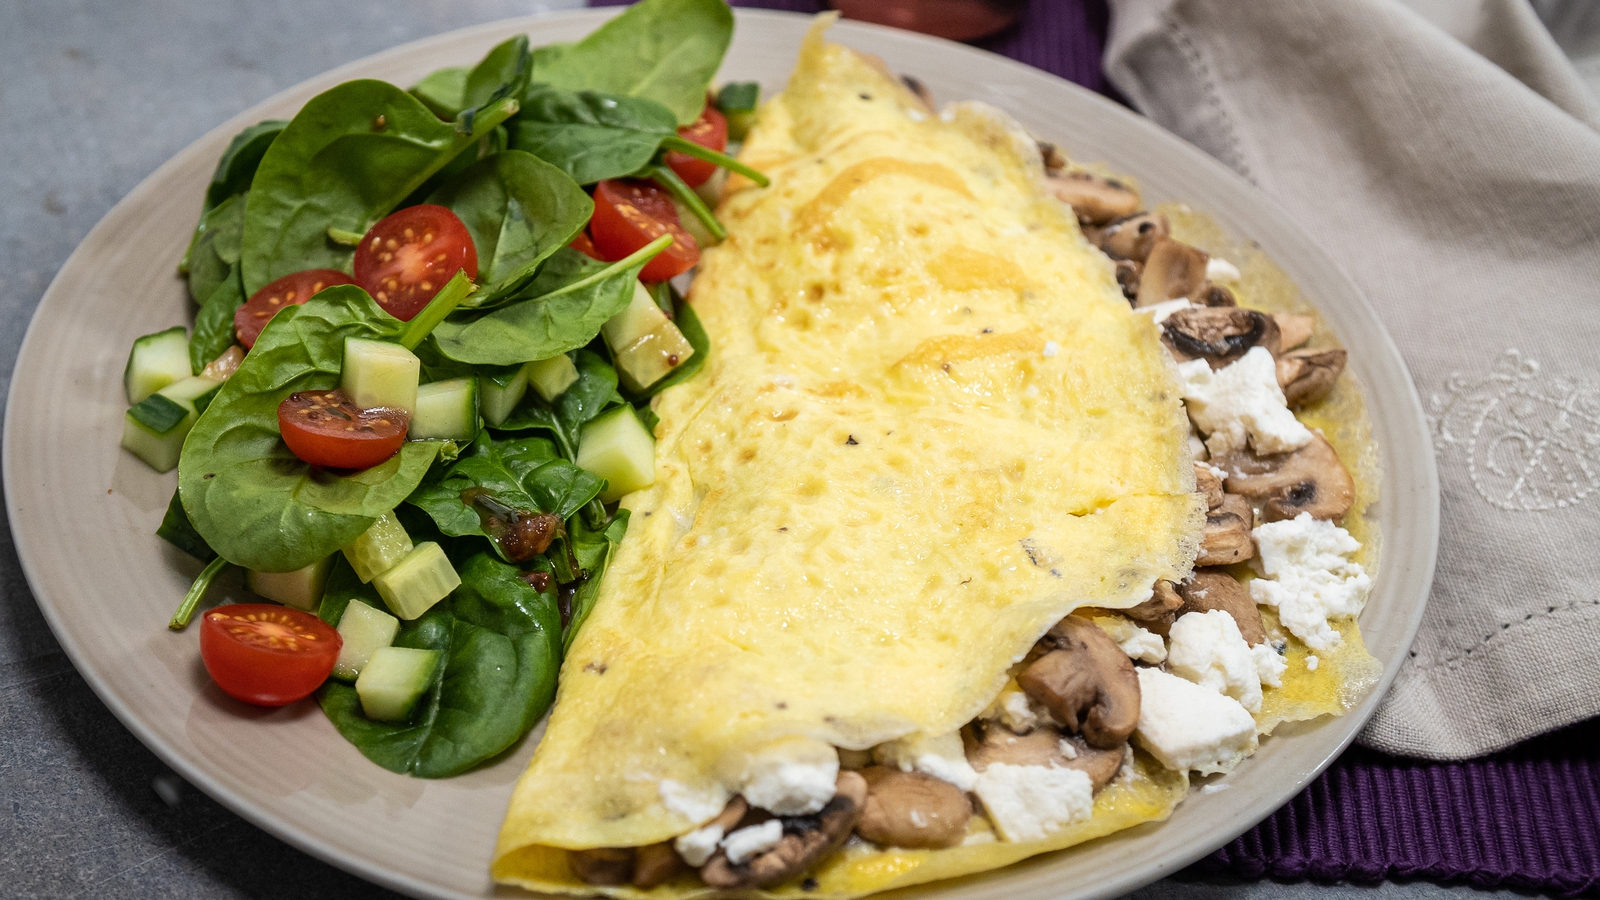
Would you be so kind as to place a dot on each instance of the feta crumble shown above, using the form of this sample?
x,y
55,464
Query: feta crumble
x,y
1030,803
1241,403
1159,312
1051,348
1207,649
1270,664
1219,269
942,757
697,846
696,805
1311,663
1311,577
1186,726
1015,710
791,777
1139,643
752,841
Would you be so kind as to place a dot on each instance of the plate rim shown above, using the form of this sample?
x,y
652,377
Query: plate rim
x,y
1419,575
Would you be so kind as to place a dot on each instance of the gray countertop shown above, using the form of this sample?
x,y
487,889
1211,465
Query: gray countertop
x,y
94,95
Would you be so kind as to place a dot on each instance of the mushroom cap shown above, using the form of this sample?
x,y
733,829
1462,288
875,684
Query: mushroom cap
x,y
1206,482
1307,376
1227,537
1173,269
1096,200
1311,479
1043,747
1209,589
603,865
910,809
1216,295
1129,271
1134,236
1158,613
1295,328
653,864
1086,682
1218,334
806,840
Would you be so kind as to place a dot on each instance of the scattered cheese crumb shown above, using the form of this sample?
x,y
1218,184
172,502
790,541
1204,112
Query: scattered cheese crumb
x,y
916,115
1186,726
1242,403
694,805
1068,749
942,756
1207,649
752,841
1312,662
1014,709
1139,643
791,777
697,846
1216,787
1270,664
1051,348
1030,803
1159,312
1219,269
1311,577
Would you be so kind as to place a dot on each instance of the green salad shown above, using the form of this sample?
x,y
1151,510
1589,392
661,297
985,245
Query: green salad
x,y
428,324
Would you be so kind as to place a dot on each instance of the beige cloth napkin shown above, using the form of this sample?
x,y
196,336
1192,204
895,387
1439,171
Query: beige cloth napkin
x,y
1445,153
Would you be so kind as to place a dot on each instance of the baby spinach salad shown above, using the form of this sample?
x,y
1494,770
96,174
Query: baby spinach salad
x,y
428,324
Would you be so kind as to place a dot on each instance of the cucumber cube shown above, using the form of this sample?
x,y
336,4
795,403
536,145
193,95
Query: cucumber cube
x,y
644,342
637,319
301,589
195,390
499,396
154,428
446,411
378,373
393,680
156,361
365,631
618,448
551,377
378,548
412,586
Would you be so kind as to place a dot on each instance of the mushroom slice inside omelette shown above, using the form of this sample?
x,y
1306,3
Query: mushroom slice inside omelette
x,y
930,428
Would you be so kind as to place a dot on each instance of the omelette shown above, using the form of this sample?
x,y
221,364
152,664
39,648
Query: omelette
x,y
931,430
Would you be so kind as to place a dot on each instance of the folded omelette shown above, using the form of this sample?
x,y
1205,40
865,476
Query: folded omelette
x,y
931,427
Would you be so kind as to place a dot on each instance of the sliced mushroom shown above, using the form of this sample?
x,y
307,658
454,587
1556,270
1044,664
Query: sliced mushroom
x,y
1218,334
655,864
603,865
1133,237
1227,536
1157,613
1052,157
1206,482
1172,270
920,91
1295,329
1128,273
806,840
910,809
1096,200
1209,589
1100,765
1307,376
1086,682
1215,295
1284,485
1044,746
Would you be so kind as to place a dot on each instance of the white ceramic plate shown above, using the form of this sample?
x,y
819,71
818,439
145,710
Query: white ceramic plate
x,y
70,489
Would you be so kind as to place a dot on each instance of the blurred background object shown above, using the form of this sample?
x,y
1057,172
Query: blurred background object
x,y
958,20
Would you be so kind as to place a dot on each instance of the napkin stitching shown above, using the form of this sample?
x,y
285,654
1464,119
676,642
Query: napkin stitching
x,y
1234,149
1534,619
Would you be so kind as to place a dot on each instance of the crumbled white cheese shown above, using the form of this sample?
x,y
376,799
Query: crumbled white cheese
x,y
1311,577
1197,447
1051,348
1241,403
791,777
752,841
1219,269
1270,664
1216,787
696,805
697,846
1159,312
1015,710
1186,726
942,756
916,115
1030,803
1069,750
1311,663
1137,642
1207,649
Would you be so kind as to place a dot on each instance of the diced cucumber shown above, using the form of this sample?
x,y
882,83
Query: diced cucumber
x,y
637,319
155,427
644,343
499,395
692,224
446,410
195,390
551,377
365,631
378,548
301,589
156,361
413,585
393,680
378,373
617,447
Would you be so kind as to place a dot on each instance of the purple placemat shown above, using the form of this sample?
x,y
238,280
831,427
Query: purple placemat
x,y
1527,818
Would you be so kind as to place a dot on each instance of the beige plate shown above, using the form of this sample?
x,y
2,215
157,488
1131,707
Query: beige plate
x,y
84,512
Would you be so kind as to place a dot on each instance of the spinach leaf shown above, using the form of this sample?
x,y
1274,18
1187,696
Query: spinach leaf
x,y
589,135
239,162
594,551
662,50
214,250
176,530
565,305
594,392
443,91
503,72
350,156
252,499
213,325
519,210
501,643
521,473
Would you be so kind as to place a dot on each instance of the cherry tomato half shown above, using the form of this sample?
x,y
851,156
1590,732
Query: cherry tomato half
x,y
584,245
406,258
267,654
290,290
324,428
631,214
710,131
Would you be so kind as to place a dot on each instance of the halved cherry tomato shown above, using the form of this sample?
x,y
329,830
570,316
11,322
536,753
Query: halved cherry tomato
x,y
630,214
583,245
290,290
267,654
710,130
324,428
406,258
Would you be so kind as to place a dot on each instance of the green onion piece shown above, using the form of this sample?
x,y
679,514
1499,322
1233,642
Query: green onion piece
x,y
344,238
452,295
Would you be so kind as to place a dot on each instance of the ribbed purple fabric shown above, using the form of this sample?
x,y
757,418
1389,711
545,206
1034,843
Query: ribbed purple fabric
x,y
1526,818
